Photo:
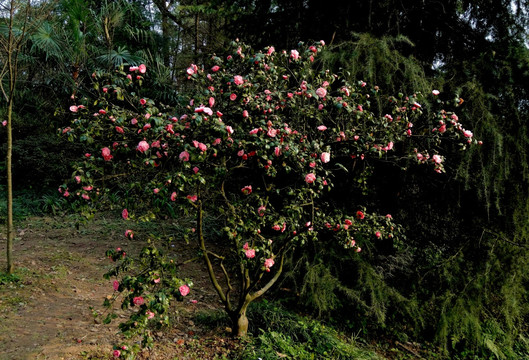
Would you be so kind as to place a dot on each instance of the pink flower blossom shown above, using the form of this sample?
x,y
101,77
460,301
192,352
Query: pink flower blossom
x,y
156,190
245,114
268,263
294,54
272,132
173,196
247,190
310,178
215,68
184,290
149,314
322,128
129,234
115,285
78,179
138,300
142,146
254,131
250,253
261,210
192,198
125,214
142,68
245,246
233,97
378,234
270,51
437,159
73,108
229,129
238,80
468,133
106,154
360,215
321,92
435,92
143,101
119,129
116,353
277,151
184,156
196,170
325,157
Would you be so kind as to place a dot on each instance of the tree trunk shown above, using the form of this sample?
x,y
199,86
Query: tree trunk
x,y
240,321
10,228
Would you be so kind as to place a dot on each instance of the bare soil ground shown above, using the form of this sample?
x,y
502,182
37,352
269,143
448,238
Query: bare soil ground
x,y
48,313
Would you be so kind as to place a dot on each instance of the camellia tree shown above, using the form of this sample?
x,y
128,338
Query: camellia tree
x,y
249,158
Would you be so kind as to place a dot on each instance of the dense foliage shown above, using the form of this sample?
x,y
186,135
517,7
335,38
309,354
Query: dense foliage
x,y
458,279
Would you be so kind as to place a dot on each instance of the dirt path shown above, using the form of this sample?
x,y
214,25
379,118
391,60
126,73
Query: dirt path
x,y
47,314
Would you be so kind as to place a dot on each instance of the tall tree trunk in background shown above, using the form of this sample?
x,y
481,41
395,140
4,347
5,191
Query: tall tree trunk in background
x,y
11,47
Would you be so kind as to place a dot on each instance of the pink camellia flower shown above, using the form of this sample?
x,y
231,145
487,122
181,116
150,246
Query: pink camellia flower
x,y
85,196
238,80
184,290
294,54
196,170
276,227
229,129
156,190
268,263
74,108
321,92
245,246
119,129
149,314
233,97
129,234
250,253
389,216
378,234
142,68
261,210
133,68
215,68
133,122
348,222
245,114
310,178
138,300
4,123
322,128
142,146
192,198
247,190
358,249
173,196
106,154
78,179
184,156
115,285
435,92
125,214
277,151
325,157
437,159
271,132
468,133
116,353
270,51
360,215
216,141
